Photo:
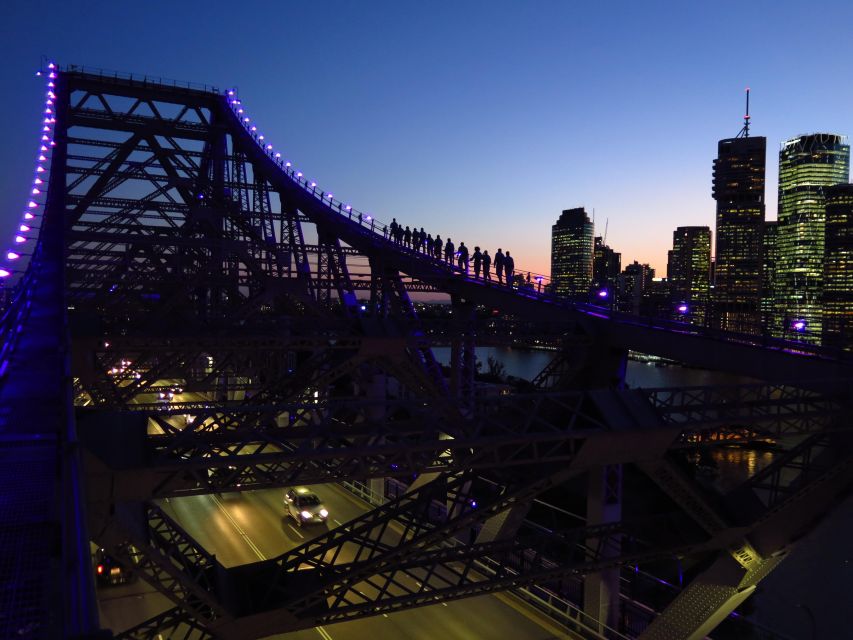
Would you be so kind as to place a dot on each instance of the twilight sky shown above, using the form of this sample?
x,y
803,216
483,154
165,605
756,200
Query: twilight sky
x,y
481,120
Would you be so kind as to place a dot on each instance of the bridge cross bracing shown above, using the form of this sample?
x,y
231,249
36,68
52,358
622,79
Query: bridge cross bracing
x,y
197,317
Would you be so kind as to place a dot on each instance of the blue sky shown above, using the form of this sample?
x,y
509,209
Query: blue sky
x,y
479,120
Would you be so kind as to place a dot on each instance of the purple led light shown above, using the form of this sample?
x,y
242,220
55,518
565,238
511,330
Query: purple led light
x,y
369,218
269,147
35,192
43,148
348,208
799,325
313,184
23,228
298,174
20,239
38,181
601,294
239,111
682,308
11,255
28,216
42,158
32,205
278,155
287,164
246,119
39,169
231,92
50,84
52,76
329,196
254,128
5,273
45,139
51,66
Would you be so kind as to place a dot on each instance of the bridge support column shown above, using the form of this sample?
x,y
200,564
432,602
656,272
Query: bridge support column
x,y
604,504
463,355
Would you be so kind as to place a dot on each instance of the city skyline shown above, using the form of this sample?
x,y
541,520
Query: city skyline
x,y
482,132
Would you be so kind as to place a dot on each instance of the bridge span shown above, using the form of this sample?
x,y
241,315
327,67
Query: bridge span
x,y
196,317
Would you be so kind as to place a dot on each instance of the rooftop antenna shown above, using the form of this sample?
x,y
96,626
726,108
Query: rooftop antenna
x,y
745,131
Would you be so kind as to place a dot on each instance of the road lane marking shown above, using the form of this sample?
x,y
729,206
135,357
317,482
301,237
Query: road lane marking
x,y
236,526
297,532
323,633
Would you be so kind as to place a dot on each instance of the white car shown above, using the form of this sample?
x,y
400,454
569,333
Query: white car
x,y
304,506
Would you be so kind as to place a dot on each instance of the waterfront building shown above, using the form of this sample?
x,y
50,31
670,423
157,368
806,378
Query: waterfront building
x,y
572,253
738,188
689,273
633,282
807,165
606,266
838,268
769,250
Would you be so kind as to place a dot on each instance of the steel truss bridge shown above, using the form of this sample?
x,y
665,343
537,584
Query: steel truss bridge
x,y
172,251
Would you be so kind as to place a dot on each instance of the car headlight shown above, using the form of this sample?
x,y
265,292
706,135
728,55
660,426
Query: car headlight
x,y
305,514
323,513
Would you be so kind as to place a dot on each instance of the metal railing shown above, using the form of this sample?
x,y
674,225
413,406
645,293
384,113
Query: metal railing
x,y
143,79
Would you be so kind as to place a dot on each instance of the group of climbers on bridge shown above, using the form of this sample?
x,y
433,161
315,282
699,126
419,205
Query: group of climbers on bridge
x,y
421,242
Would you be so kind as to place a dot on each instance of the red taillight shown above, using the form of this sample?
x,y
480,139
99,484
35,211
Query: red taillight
x,y
100,569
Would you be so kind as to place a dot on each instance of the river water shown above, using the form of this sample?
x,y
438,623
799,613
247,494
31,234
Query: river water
x,y
808,596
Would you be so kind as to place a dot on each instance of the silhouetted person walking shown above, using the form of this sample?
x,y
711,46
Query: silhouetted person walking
x,y
478,260
463,258
430,245
422,243
449,250
487,262
509,267
436,247
499,265
394,228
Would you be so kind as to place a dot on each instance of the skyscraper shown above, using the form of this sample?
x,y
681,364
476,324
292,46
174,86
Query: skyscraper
x,y
633,283
807,165
606,265
572,253
769,251
689,273
739,191
838,268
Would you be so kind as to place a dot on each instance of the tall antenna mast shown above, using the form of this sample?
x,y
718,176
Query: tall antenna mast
x,y
745,131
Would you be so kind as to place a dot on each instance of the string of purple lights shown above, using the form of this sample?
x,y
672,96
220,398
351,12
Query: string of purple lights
x,y
40,178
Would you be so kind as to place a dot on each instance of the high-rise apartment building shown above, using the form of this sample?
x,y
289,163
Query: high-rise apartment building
x,y
769,250
606,266
807,165
572,253
689,273
738,189
838,268
634,281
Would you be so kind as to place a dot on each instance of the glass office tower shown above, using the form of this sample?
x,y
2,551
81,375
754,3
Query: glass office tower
x,y
689,273
572,253
807,165
838,268
769,246
738,189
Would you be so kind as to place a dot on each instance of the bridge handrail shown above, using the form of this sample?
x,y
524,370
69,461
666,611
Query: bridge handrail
x,y
534,285
112,74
